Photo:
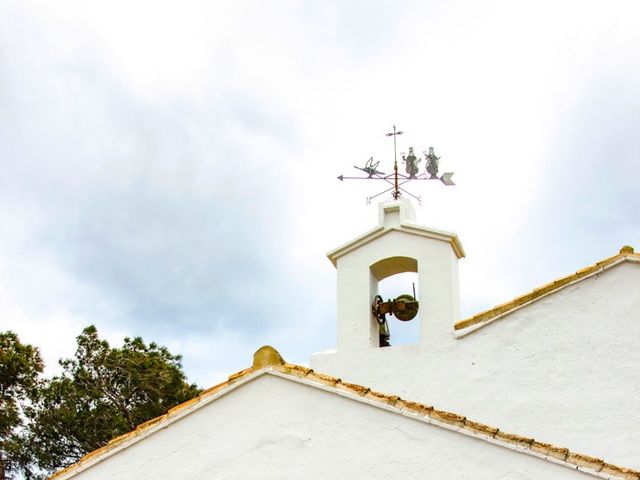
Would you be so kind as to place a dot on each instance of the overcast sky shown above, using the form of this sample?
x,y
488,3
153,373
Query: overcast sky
x,y
168,169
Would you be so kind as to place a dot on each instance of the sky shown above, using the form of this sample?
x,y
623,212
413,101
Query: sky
x,y
168,169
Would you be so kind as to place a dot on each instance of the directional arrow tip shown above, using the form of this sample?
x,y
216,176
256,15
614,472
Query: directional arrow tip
x,y
341,178
446,179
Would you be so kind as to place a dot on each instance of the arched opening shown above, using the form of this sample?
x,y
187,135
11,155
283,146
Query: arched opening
x,y
396,277
402,333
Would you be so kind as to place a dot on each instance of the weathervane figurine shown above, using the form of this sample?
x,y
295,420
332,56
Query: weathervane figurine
x,y
370,168
432,163
412,163
396,179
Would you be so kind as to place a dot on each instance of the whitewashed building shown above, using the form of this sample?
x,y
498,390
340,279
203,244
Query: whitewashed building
x,y
546,386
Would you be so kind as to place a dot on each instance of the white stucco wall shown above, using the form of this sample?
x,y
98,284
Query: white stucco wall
x,y
564,370
275,428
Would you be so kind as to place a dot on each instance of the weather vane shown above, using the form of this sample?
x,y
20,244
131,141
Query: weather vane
x,y
396,179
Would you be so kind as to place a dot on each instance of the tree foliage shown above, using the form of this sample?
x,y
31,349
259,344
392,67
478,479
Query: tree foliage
x,y
101,393
20,368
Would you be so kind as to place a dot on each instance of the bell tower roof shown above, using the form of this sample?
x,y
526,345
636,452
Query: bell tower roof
x,y
397,215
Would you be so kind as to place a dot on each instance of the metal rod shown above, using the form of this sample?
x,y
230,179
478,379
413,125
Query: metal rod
x,y
378,194
396,194
409,193
342,177
387,177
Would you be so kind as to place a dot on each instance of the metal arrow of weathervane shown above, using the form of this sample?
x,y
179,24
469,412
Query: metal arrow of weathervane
x,y
396,179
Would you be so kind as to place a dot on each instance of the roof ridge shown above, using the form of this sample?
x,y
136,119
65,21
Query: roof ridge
x,y
461,423
484,317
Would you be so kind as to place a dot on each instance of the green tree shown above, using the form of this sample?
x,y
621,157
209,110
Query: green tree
x,y
20,369
103,392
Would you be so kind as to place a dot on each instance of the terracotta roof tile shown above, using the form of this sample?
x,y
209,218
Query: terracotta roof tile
x,y
382,397
513,438
448,417
235,376
414,407
541,447
480,428
560,453
296,370
351,387
620,472
322,378
585,461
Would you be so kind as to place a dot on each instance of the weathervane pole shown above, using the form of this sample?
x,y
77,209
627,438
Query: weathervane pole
x,y
396,192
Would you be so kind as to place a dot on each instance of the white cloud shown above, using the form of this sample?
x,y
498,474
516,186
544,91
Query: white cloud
x,y
168,168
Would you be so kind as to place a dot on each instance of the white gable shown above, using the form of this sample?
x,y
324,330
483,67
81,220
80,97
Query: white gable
x,y
276,427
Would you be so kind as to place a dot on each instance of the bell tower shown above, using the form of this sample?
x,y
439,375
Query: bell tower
x,y
396,245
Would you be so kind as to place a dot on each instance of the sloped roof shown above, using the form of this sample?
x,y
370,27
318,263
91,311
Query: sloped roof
x,y
483,318
406,227
268,361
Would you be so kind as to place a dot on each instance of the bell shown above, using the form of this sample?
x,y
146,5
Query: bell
x,y
405,308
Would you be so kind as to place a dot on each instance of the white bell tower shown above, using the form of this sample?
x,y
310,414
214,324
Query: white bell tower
x,y
396,245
